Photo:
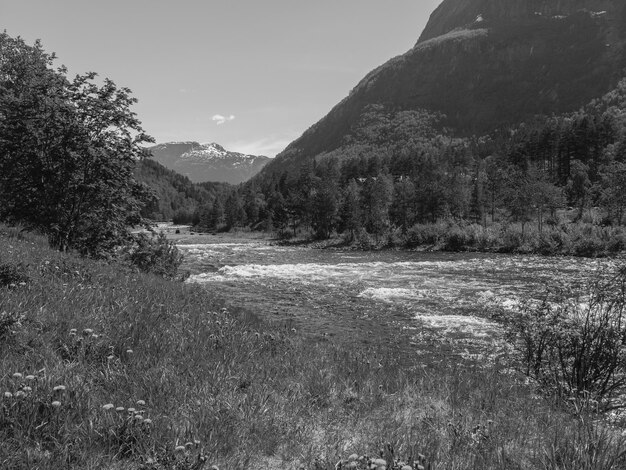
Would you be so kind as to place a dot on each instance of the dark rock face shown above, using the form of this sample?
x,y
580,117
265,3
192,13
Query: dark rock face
x,y
208,162
453,14
488,63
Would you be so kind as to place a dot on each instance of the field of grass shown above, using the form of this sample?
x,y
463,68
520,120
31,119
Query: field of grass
x,y
104,367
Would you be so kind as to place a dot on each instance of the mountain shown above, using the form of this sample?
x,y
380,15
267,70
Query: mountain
x,y
486,64
207,162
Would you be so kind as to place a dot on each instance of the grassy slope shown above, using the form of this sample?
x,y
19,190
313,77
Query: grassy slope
x,y
253,395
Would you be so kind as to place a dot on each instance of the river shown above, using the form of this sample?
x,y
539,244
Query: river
x,y
417,304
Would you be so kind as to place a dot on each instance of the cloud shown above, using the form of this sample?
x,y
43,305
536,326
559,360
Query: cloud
x,y
219,119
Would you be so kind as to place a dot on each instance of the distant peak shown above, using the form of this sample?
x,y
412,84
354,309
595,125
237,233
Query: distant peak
x,y
215,146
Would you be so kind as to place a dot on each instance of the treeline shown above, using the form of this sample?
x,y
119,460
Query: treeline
x,y
175,197
399,169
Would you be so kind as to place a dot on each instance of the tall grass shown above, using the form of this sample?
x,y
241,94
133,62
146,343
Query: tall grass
x,y
201,385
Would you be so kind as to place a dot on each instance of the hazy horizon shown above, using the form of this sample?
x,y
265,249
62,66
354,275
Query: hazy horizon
x,y
251,76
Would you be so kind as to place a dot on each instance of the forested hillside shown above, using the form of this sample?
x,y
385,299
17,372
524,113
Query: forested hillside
x,y
398,170
175,196
485,64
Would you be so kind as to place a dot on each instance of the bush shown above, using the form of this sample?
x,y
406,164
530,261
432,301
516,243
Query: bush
x,y
589,247
511,239
422,234
576,347
456,239
12,274
154,254
364,240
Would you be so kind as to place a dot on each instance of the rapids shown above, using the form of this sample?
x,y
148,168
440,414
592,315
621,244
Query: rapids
x,y
435,304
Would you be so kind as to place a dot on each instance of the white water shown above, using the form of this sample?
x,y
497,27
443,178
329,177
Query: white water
x,y
442,296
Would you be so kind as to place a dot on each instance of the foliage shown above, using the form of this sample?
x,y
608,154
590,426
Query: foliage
x,y
12,274
67,153
154,254
576,347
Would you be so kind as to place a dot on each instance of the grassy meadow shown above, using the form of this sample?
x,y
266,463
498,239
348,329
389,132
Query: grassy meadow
x,y
105,367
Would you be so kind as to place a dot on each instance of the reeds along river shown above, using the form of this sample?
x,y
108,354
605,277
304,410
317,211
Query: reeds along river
x,y
418,304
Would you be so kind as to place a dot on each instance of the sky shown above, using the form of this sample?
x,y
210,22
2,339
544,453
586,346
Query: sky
x,y
251,75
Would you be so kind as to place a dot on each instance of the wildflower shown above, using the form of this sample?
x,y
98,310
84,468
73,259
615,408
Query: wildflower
x,y
56,404
27,389
138,417
110,358
8,395
73,332
87,332
147,421
131,410
129,351
141,403
59,388
180,449
94,336
17,375
119,409
20,394
30,378
108,406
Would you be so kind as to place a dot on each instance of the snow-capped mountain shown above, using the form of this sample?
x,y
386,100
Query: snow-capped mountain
x,y
208,162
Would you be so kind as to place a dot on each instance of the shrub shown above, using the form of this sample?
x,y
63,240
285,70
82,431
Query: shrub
x,y
154,254
576,347
589,247
12,274
511,239
364,240
456,239
422,234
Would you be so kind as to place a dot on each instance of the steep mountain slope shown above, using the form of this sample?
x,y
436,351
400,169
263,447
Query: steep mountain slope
x,y
207,162
485,64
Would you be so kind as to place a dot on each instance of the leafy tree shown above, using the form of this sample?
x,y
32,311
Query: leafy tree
x,y
325,208
613,191
350,210
403,206
519,197
579,185
376,198
234,212
68,150
546,196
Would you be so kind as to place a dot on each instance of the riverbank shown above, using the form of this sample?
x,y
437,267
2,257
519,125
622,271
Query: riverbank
x,y
79,339
580,239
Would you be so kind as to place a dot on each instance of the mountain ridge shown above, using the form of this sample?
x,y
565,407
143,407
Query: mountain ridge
x,y
486,70
208,161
